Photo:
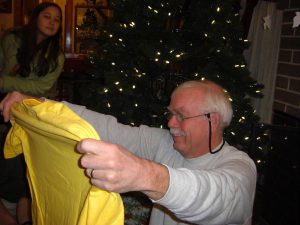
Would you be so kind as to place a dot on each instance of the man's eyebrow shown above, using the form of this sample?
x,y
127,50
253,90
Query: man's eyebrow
x,y
179,110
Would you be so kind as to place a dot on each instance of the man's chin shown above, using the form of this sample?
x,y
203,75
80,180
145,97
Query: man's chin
x,y
178,146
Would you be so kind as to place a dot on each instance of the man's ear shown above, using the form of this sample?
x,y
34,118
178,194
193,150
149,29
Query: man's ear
x,y
215,119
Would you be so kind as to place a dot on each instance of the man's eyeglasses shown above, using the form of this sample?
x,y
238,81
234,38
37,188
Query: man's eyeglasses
x,y
181,118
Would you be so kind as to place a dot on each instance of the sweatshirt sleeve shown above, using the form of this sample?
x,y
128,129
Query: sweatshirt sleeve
x,y
223,195
143,141
33,84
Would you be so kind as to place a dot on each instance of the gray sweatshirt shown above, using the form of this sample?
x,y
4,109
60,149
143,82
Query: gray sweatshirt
x,y
211,189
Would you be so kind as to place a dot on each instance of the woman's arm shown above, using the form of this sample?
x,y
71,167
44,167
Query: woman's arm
x,y
33,84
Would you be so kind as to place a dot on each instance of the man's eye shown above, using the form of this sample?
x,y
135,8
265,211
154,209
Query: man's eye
x,y
180,116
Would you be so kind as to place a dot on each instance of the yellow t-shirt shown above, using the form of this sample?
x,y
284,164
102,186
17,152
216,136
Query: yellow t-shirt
x,y
47,133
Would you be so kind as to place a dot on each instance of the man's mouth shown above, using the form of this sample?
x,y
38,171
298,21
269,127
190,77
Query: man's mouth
x,y
177,133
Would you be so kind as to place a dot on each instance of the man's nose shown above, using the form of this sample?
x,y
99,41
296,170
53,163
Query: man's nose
x,y
173,122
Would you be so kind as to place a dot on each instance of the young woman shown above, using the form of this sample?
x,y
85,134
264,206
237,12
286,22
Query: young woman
x,y
31,61
32,57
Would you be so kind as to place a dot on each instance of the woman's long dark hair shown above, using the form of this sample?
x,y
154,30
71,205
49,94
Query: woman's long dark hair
x,y
48,50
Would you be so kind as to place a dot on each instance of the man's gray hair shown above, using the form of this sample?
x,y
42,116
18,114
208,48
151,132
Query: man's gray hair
x,y
216,99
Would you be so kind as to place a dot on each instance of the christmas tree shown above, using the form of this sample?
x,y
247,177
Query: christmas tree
x,y
149,47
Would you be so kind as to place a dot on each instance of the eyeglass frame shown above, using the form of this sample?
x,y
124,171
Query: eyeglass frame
x,y
180,118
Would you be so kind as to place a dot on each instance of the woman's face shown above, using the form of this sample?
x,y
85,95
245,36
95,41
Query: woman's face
x,y
48,23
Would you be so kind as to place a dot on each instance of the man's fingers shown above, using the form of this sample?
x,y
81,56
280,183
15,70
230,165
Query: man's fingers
x,y
88,145
5,108
95,154
7,103
93,146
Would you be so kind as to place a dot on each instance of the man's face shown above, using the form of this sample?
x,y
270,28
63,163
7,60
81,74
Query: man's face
x,y
190,135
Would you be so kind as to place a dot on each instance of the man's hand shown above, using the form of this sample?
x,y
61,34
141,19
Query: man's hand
x,y
8,101
113,168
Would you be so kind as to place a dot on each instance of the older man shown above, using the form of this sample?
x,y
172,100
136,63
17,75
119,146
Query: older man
x,y
190,173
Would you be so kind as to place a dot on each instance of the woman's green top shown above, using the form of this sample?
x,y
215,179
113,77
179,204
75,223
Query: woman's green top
x,y
33,84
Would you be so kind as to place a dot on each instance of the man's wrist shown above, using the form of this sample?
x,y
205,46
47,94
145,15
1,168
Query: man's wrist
x,y
157,183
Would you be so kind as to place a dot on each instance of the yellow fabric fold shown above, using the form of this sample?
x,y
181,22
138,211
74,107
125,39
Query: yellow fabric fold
x,y
47,133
